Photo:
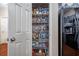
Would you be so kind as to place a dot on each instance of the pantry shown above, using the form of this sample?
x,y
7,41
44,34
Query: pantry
x,y
40,29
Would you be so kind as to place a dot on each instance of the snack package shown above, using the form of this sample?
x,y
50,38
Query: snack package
x,y
35,36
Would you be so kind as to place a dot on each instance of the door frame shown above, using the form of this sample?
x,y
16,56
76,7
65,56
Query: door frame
x,y
53,29
60,32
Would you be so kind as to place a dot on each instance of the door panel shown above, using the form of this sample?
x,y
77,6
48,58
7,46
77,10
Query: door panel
x,y
23,19
18,48
28,47
20,31
18,19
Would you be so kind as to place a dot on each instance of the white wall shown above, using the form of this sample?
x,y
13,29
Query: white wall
x,y
3,22
3,10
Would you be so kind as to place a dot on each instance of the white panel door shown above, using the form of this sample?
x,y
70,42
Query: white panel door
x,y
20,29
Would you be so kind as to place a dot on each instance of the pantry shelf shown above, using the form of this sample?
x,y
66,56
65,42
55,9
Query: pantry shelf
x,y
37,15
39,23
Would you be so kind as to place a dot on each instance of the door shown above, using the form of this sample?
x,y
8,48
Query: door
x,y
20,29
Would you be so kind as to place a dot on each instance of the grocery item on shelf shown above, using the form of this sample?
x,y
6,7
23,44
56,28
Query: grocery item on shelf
x,y
37,44
38,20
36,28
33,52
35,36
39,52
34,11
42,45
44,28
33,44
40,11
34,20
43,35
37,11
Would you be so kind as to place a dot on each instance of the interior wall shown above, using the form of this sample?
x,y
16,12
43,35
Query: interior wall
x,y
3,10
3,22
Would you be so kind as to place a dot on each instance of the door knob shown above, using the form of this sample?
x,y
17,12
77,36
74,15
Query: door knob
x,y
12,39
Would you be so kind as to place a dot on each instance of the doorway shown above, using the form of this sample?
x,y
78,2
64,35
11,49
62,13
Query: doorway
x,y
40,29
69,29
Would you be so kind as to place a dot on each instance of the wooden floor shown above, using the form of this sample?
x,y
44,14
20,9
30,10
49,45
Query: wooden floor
x,y
67,51
3,49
